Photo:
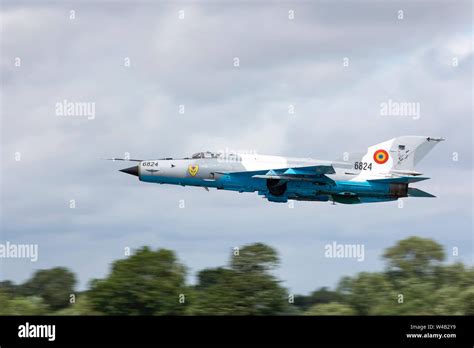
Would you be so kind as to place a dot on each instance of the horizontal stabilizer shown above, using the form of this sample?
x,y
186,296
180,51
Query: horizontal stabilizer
x,y
400,180
414,192
405,172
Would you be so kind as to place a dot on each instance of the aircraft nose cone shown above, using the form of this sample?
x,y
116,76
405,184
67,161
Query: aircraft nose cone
x,y
131,170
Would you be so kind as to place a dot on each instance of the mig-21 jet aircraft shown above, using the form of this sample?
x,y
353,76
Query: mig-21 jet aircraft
x,y
383,173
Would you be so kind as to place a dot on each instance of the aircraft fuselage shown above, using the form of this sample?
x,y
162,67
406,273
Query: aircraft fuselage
x,y
344,186
382,173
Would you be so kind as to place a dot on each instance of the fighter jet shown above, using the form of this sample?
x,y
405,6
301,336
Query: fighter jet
x,y
383,173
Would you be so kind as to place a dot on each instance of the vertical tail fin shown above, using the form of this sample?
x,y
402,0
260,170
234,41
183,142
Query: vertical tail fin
x,y
399,154
409,150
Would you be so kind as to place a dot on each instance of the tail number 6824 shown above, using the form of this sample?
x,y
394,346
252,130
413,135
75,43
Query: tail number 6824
x,y
362,166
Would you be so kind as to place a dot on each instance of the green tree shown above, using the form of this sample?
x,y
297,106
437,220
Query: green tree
x,y
415,283
408,297
150,283
211,276
456,274
467,299
82,306
414,256
4,302
247,287
147,283
332,308
33,305
446,301
258,258
8,287
366,291
320,296
54,286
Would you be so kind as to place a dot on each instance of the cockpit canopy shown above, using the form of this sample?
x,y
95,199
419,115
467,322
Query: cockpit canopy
x,y
220,155
207,154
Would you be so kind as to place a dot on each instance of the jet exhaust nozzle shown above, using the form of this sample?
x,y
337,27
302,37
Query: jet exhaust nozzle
x,y
132,170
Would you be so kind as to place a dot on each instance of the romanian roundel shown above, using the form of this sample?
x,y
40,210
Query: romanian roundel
x,y
380,156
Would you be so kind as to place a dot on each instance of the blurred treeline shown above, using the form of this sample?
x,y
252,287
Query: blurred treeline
x,y
414,282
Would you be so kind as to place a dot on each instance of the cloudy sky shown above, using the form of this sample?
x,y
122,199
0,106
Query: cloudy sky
x,y
49,54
